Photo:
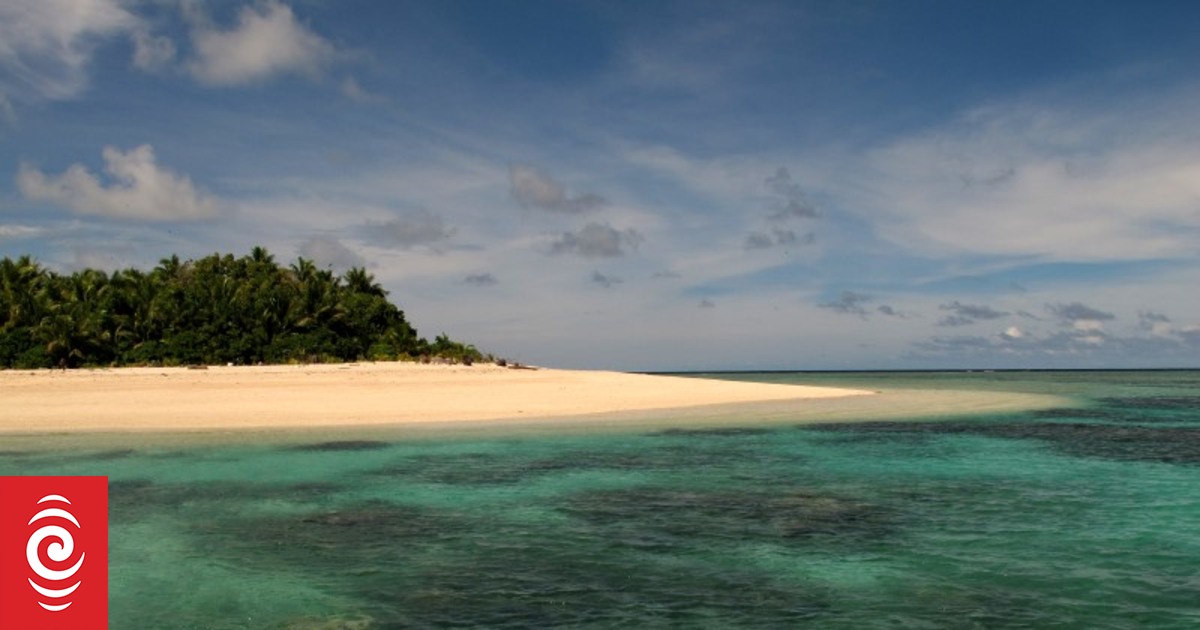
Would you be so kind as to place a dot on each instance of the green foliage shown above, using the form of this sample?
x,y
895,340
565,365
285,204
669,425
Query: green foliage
x,y
443,346
215,310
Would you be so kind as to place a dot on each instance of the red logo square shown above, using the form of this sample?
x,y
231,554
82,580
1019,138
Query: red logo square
x,y
53,553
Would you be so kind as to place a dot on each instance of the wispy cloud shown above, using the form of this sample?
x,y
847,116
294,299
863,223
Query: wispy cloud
x,y
46,46
352,90
139,189
20,231
1053,184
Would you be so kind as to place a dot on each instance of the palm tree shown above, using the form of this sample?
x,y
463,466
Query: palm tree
x,y
260,256
73,326
358,280
20,284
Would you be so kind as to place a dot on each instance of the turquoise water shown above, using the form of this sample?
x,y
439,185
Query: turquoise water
x,y
1079,517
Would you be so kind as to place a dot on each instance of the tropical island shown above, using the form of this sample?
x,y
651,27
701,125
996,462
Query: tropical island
x,y
216,310
298,347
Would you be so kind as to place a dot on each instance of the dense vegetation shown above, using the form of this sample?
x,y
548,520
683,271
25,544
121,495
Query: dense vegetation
x,y
215,310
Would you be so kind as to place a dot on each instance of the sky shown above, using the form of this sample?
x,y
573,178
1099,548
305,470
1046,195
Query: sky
x,y
646,185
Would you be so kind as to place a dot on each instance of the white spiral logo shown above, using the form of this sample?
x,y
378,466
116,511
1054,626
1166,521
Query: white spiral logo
x,y
59,551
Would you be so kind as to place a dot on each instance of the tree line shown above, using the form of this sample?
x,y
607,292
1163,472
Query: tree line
x,y
212,311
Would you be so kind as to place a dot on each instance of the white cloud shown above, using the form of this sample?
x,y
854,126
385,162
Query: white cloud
x,y
20,231
412,229
596,240
1023,181
152,53
486,279
1080,316
352,90
267,41
139,189
534,189
605,280
8,113
46,45
328,252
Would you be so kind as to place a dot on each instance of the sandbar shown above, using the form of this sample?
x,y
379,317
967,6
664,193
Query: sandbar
x,y
336,398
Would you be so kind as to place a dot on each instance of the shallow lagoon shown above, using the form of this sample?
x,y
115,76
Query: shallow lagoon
x,y
1080,516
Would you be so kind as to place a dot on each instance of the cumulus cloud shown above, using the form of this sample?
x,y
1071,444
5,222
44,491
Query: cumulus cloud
x,y
604,280
138,189
534,189
266,41
597,240
758,240
776,237
1071,347
1079,316
329,252
788,203
481,280
1013,332
1016,343
1156,323
965,314
849,303
410,230
853,303
46,45
791,202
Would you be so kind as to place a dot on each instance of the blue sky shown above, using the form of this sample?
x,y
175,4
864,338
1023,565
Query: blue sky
x,y
643,185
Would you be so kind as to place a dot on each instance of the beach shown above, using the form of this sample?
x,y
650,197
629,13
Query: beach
x,y
364,394
933,499
398,395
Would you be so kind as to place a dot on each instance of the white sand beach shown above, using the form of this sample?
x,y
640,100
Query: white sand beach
x,y
334,399
165,399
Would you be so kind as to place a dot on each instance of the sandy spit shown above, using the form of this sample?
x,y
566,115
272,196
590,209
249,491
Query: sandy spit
x,y
368,394
156,407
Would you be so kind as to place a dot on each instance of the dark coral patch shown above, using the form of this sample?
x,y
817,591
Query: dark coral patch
x,y
667,517
1175,445
713,432
342,445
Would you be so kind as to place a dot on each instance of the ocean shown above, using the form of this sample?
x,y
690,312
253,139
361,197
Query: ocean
x,y
1085,515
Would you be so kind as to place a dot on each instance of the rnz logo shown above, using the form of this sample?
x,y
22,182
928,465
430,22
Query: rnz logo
x,y
62,550
54,553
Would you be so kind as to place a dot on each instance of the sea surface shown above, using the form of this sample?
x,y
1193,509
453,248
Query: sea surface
x,y
1083,516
